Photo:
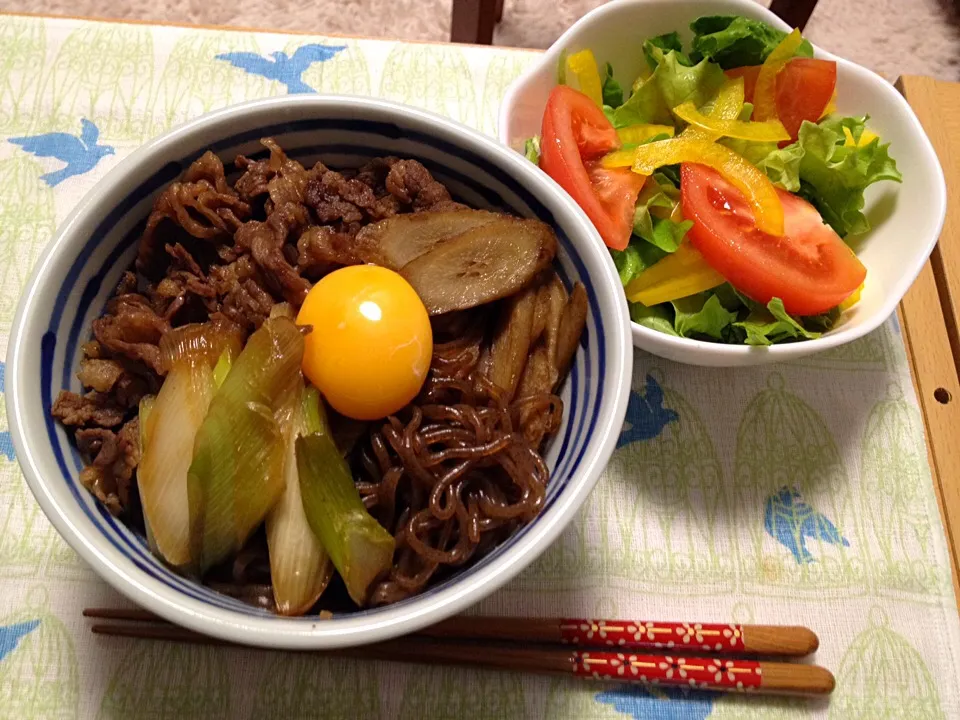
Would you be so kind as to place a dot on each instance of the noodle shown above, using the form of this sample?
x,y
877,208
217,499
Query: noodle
x,y
457,471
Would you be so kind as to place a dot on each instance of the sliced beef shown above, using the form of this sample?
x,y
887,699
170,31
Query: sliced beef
x,y
101,375
115,456
133,329
323,249
94,408
265,241
202,204
412,184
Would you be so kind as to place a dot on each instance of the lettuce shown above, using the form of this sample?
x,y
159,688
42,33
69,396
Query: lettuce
x,y
821,168
531,149
612,92
772,325
635,258
702,316
734,41
658,317
671,83
656,47
833,175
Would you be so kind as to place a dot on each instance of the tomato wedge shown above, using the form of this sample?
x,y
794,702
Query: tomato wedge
x,y
575,134
804,88
810,268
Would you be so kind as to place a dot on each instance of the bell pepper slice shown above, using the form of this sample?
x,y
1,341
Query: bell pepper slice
x,y
635,134
584,67
866,137
766,131
765,94
831,106
726,106
745,176
852,300
680,274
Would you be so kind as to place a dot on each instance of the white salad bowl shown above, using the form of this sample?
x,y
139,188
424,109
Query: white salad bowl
x,y
906,219
82,265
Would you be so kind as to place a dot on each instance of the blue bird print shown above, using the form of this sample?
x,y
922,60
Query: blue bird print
x,y
790,521
646,416
81,154
11,635
659,703
6,443
283,68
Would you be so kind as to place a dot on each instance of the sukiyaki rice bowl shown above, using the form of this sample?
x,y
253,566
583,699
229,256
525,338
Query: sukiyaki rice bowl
x,y
311,372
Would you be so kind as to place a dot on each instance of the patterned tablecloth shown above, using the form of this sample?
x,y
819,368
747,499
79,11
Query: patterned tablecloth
x,y
797,493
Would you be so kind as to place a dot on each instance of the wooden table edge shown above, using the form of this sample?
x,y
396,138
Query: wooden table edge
x,y
928,323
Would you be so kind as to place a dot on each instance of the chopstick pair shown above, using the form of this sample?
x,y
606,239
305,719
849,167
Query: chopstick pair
x,y
595,649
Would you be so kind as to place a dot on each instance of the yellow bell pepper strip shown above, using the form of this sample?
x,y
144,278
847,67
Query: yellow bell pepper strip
x,y
765,94
852,300
746,177
766,131
680,274
831,106
726,106
635,134
584,67
866,137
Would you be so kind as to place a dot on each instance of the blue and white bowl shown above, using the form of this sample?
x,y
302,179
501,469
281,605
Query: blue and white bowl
x,y
79,270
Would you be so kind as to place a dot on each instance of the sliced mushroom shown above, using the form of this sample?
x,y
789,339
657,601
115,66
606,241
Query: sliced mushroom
x,y
401,239
481,265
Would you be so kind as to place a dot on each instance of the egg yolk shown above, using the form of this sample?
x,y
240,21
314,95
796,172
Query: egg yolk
x,y
371,344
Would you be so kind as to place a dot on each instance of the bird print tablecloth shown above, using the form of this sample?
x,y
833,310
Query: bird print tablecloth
x,y
797,493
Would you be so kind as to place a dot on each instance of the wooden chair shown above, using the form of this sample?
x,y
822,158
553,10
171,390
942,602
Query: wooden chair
x,y
473,20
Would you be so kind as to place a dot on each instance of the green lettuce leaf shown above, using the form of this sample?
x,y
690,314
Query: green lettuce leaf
x,y
702,316
656,47
661,232
670,84
657,317
772,325
734,41
635,258
612,92
833,176
531,149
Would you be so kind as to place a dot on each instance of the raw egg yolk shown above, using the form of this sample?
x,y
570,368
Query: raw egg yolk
x,y
371,344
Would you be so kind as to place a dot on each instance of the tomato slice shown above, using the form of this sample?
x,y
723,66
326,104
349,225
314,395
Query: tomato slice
x,y
575,132
804,88
810,268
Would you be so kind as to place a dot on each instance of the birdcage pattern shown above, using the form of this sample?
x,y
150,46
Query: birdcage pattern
x,y
786,452
23,47
883,677
661,519
103,73
900,525
194,81
881,350
39,679
501,71
297,687
346,73
452,693
168,681
434,78
27,222
572,560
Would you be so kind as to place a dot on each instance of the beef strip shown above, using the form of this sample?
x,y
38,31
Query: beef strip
x,y
133,329
202,203
265,241
94,408
115,457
